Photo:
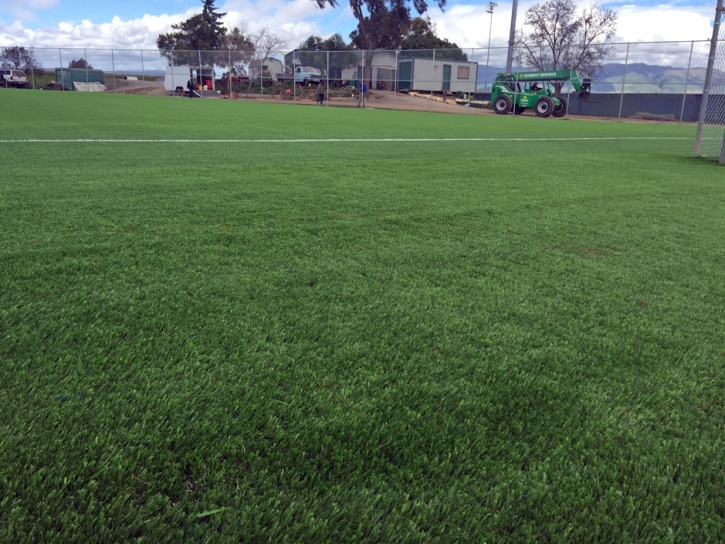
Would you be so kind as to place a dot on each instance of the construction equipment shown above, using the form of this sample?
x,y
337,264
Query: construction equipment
x,y
519,91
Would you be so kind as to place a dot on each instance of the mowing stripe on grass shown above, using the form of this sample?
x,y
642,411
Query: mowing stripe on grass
x,y
331,140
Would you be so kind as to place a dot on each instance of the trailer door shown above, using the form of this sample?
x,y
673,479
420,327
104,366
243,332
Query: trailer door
x,y
405,74
446,77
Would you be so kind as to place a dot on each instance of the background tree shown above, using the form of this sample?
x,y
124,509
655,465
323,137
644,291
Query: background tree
x,y
203,31
80,64
385,26
241,48
381,24
421,40
20,58
561,36
265,43
314,52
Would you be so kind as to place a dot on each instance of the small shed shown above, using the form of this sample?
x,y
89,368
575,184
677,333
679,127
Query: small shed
x,y
65,77
437,75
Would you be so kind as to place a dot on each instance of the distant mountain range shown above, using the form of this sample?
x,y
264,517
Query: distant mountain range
x,y
641,78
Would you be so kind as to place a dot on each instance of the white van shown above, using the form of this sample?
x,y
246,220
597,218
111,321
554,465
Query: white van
x,y
13,78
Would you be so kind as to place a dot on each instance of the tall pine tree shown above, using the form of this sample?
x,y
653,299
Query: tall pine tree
x,y
203,31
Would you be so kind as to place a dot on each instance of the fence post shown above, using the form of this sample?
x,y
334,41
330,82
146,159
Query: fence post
x,y
568,93
708,78
229,74
294,76
624,79
113,69
143,73
516,93
85,57
430,102
687,78
32,73
261,81
199,77
722,150
62,78
362,82
468,105
328,79
395,82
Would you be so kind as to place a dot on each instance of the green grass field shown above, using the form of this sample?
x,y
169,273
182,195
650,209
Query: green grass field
x,y
445,341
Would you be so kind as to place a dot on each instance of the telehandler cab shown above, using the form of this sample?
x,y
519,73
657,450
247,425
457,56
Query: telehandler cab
x,y
521,90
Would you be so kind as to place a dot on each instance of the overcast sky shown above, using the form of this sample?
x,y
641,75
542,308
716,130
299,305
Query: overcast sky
x,y
135,24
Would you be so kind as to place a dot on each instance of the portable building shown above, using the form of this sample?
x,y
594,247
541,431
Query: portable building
x,y
65,77
437,75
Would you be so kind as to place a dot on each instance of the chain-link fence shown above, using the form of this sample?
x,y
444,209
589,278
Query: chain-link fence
x,y
658,81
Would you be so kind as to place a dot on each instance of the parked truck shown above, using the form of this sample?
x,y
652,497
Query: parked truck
x,y
519,91
302,76
13,78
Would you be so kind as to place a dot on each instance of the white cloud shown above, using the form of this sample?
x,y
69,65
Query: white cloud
x,y
138,33
287,19
24,10
467,25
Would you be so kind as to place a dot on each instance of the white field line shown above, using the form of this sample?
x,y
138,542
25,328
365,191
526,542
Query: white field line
x,y
343,140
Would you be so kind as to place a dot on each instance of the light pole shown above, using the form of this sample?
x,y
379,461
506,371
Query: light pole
x,y
491,5
512,38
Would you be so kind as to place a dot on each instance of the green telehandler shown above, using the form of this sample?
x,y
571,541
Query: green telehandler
x,y
521,90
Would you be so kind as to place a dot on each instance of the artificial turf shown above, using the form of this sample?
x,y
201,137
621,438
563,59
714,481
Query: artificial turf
x,y
439,341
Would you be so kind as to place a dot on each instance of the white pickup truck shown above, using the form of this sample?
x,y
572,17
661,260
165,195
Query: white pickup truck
x,y
302,76
13,78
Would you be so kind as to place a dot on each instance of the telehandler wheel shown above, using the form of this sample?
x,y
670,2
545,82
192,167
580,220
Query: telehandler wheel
x,y
561,110
503,105
544,107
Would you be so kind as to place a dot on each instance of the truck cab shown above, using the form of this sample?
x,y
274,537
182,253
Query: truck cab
x,y
304,77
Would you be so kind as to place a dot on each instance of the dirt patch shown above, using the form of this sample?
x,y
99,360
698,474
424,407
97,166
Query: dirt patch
x,y
383,100
122,86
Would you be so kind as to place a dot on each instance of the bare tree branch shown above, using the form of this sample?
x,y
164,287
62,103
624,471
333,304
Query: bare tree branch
x,y
560,35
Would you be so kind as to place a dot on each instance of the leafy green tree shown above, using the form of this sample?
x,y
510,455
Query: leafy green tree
x,y
19,58
203,31
314,52
421,40
80,64
241,47
384,27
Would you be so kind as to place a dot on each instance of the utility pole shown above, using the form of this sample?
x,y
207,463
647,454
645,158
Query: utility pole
x,y
512,38
491,5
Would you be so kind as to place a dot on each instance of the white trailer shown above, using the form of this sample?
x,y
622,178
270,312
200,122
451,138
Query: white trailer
x,y
178,76
437,76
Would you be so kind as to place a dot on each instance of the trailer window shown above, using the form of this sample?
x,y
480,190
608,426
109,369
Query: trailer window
x,y
463,72
18,73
